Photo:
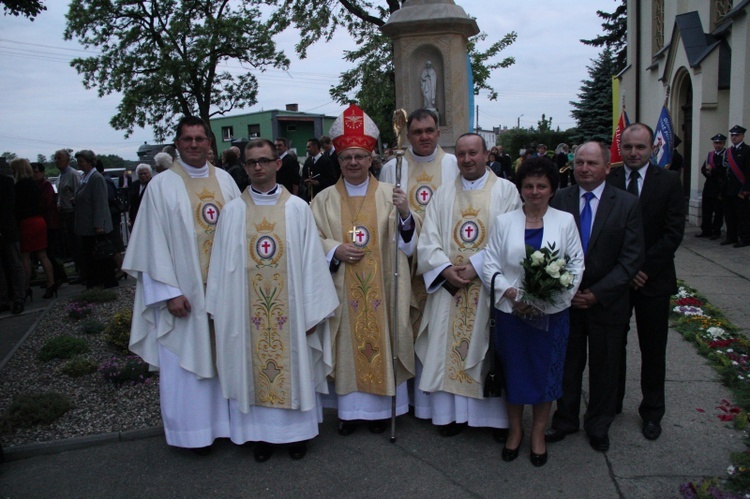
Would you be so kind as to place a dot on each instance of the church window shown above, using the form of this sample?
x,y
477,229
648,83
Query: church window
x,y
658,25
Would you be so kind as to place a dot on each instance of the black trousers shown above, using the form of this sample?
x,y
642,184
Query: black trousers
x,y
96,272
712,215
604,342
737,216
652,321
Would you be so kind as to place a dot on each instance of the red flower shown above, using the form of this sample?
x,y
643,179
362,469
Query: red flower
x,y
722,343
689,301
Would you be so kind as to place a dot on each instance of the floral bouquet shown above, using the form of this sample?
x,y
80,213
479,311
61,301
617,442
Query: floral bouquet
x,y
545,275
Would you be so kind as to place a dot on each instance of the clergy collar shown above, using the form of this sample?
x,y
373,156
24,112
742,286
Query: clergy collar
x,y
270,192
473,185
270,197
423,159
193,171
357,190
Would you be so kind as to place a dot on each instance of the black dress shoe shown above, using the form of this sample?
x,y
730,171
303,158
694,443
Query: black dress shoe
x,y
741,244
703,234
599,444
346,427
538,459
262,451
202,451
715,237
651,430
726,242
17,308
378,426
500,435
509,455
298,450
556,434
451,429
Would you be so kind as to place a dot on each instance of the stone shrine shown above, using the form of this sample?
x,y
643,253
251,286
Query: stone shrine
x,y
430,40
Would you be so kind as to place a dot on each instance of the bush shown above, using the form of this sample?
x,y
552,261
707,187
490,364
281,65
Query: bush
x,y
118,329
79,310
130,370
97,296
63,347
77,367
91,326
37,408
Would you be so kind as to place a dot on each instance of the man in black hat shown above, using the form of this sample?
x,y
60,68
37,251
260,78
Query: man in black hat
x,y
716,173
737,197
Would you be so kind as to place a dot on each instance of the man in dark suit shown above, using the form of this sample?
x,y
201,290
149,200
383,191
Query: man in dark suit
x,y
288,174
737,190
662,207
613,244
714,169
318,172
137,190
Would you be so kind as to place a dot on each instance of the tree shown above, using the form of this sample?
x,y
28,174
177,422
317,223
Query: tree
x,y
515,139
372,81
26,8
615,28
593,111
9,156
164,56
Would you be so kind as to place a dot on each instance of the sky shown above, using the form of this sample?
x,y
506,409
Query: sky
x,y
45,106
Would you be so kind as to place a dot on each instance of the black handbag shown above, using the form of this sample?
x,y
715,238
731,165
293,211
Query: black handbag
x,y
494,381
103,248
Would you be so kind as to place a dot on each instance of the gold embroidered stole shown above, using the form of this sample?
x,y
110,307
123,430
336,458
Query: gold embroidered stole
x,y
206,201
365,296
269,347
470,232
424,179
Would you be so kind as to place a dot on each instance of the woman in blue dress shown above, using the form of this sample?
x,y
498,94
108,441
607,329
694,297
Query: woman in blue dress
x,y
530,340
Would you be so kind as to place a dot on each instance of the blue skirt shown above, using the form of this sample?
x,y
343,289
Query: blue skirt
x,y
532,359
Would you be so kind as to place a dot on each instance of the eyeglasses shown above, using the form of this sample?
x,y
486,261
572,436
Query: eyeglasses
x,y
190,140
261,161
355,157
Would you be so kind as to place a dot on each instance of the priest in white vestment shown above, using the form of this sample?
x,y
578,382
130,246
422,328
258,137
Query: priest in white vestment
x,y
169,253
270,292
453,338
425,167
356,220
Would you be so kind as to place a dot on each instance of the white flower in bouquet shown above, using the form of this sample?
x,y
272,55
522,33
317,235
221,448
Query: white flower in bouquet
x,y
537,258
553,269
566,279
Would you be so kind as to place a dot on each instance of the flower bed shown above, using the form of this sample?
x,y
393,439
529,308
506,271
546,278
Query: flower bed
x,y
729,353
99,404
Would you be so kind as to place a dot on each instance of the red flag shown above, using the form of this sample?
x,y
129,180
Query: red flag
x,y
614,149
